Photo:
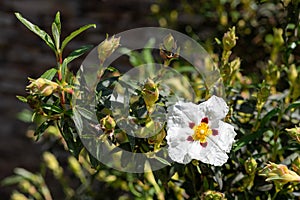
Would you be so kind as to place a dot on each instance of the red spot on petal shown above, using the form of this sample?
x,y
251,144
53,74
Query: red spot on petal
x,y
203,144
204,120
190,139
215,132
191,125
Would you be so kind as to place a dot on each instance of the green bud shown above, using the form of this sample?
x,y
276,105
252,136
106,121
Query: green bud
x,y
107,47
278,40
250,165
169,43
262,95
150,93
294,133
108,123
229,39
158,138
292,73
168,47
213,195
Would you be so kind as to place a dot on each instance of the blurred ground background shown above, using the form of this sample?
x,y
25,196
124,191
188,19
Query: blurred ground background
x,y
22,54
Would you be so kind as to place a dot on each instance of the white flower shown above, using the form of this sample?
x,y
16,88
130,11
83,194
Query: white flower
x,y
197,132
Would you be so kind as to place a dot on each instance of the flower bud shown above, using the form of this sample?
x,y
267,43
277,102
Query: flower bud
x,y
169,43
150,93
107,47
42,86
293,73
250,165
213,195
294,133
158,138
108,123
169,47
279,174
262,95
229,39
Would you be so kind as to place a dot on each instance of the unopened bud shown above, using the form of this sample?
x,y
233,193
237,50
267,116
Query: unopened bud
x,y
108,123
294,133
107,47
250,165
42,86
279,174
150,93
168,48
213,195
229,39
292,73
158,138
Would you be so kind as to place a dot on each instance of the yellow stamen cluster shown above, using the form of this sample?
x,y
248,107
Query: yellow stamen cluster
x,y
201,131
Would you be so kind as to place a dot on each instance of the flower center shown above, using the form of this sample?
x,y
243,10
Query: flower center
x,y
201,131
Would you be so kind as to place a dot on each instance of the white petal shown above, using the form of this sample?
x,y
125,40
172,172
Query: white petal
x,y
215,108
225,137
211,154
178,144
182,113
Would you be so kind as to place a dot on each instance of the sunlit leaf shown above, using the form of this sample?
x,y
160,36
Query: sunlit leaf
x,y
49,74
34,28
75,33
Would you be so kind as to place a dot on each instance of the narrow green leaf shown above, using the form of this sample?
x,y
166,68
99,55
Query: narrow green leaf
x,y
11,180
35,29
27,175
56,35
21,98
41,129
78,52
247,139
52,108
293,105
77,120
268,116
49,74
57,22
75,54
75,33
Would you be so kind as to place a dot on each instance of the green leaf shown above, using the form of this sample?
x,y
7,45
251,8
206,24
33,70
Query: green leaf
x,y
49,74
75,33
77,119
293,105
11,180
247,139
41,129
75,54
35,29
28,175
57,22
21,98
52,108
268,116
56,35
